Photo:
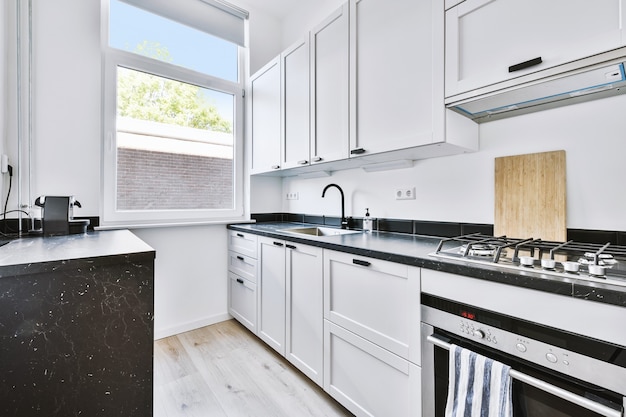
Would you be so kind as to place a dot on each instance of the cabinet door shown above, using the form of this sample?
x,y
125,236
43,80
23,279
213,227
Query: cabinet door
x,y
295,67
242,303
330,88
377,300
391,75
485,37
271,287
305,314
266,118
368,380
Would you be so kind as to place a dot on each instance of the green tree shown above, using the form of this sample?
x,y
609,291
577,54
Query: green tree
x,y
149,97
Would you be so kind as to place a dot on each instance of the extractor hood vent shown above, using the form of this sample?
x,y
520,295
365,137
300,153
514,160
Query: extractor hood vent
x,y
598,82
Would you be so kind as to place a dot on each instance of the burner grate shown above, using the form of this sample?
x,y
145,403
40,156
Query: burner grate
x,y
595,258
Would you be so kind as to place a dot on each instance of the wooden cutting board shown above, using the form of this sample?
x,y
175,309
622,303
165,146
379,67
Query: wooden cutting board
x,y
530,196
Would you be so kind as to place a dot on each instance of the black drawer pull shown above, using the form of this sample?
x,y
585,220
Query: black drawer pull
x,y
317,159
239,280
357,151
239,235
240,258
278,244
525,64
275,166
303,162
291,246
360,262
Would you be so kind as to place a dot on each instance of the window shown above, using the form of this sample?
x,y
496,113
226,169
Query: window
x,y
173,116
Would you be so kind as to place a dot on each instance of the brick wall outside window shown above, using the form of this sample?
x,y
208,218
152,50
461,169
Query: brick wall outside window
x,y
151,180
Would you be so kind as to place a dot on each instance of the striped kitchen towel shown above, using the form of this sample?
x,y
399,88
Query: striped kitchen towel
x,y
478,386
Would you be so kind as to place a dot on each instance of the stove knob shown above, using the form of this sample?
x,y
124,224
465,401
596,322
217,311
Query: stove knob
x,y
479,334
551,357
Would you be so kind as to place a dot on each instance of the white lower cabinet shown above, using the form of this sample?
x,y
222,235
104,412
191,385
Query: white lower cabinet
x,y
290,303
371,335
378,300
305,314
242,277
242,300
271,316
367,379
349,323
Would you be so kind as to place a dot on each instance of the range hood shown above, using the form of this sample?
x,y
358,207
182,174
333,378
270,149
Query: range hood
x,y
598,81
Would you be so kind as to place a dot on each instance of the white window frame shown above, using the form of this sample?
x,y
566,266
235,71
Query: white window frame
x,y
112,58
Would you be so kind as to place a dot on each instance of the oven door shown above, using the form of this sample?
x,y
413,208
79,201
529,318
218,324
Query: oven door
x,y
536,391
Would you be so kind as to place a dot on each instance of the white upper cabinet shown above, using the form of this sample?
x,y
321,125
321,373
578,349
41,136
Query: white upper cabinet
x,y
490,41
295,82
391,75
330,88
365,86
265,103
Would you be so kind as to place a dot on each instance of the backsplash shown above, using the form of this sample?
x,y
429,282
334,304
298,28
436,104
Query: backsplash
x,y
431,228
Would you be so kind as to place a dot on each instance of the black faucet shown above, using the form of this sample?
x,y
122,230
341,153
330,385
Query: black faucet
x,y
344,221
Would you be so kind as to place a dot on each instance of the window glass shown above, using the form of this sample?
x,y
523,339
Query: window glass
x,y
173,118
174,144
135,30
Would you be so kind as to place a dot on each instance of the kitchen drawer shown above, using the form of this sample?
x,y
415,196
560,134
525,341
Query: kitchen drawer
x,y
242,301
377,300
242,265
243,243
368,380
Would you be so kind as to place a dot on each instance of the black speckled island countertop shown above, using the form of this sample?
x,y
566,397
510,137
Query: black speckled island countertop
x,y
76,325
415,250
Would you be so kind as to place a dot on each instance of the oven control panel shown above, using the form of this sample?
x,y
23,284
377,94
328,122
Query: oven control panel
x,y
535,351
561,360
477,332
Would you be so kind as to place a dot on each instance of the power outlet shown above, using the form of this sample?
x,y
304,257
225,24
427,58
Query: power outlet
x,y
292,195
405,193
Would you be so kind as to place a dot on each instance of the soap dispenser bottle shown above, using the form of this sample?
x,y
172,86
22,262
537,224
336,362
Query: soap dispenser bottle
x,y
368,222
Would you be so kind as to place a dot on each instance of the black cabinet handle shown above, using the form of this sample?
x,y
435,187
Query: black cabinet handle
x,y
316,158
357,151
239,280
290,246
239,235
303,162
240,258
275,166
278,244
525,64
360,262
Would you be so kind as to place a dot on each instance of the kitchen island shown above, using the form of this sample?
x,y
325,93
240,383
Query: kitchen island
x,y
76,325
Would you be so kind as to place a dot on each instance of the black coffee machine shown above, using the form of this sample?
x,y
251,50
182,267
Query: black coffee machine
x,y
57,215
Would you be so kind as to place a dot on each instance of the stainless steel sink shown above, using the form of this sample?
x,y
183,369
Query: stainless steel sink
x,y
321,231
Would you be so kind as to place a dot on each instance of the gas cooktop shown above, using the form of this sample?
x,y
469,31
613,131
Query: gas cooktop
x,y
586,261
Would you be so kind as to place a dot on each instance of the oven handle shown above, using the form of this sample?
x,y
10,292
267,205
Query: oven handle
x,y
544,386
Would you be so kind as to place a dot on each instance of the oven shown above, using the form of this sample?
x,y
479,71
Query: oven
x,y
555,373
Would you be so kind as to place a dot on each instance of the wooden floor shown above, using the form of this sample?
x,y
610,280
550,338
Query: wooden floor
x,y
223,370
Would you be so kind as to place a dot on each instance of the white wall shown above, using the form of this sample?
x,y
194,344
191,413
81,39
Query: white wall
x,y
265,34
191,285
461,188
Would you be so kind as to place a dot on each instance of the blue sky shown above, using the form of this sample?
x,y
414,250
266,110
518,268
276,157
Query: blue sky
x,y
188,47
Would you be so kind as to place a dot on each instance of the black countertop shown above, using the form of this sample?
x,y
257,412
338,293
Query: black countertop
x,y
415,249
29,255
